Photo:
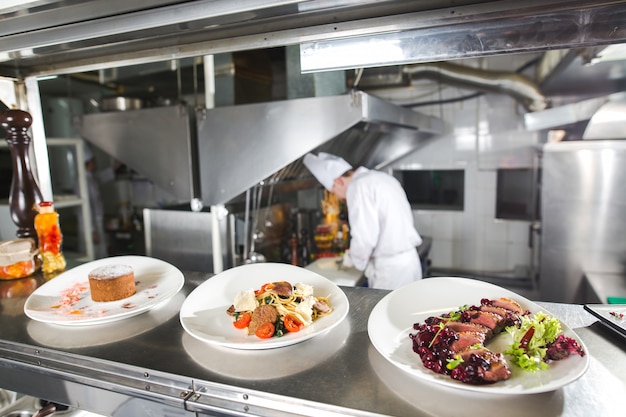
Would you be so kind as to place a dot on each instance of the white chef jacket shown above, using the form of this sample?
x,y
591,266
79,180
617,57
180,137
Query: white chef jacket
x,y
97,209
383,238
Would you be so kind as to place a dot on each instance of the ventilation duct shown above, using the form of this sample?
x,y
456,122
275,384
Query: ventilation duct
x,y
513,84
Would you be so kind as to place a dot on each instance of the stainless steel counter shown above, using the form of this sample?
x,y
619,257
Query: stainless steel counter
x,y
148,365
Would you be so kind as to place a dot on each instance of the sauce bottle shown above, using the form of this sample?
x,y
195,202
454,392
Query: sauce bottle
x,y
50,238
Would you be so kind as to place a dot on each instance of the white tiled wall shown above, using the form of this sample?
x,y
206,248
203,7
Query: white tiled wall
x,y
487,133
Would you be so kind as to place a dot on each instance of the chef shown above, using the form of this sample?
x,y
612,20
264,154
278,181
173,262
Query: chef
x,y
94,179
383,238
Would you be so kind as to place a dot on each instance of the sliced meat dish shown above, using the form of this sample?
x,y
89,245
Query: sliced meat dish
x,y
463,336
467,339
492,321
459,326
508,304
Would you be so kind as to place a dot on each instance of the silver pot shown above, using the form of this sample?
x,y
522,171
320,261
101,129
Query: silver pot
x,y
120,103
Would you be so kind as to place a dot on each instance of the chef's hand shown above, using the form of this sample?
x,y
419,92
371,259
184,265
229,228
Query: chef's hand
x,y
346,262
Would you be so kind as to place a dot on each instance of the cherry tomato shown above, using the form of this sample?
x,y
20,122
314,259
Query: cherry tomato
x,y
264,288
292,324
265,331
243,320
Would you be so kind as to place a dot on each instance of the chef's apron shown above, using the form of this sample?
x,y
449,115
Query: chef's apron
x,y
391,272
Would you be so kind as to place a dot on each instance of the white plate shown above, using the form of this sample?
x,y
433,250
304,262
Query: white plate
x,y
238,363
611,315
203,314
73,337
392,320
156,282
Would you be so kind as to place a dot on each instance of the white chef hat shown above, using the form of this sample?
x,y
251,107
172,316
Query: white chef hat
x,y
326,167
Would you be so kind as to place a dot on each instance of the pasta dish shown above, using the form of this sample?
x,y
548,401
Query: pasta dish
x,y
277,308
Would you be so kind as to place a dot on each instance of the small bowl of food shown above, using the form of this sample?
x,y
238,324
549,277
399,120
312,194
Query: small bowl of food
x,y
19,258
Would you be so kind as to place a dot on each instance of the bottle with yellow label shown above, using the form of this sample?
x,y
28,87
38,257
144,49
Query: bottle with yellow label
x,y
50,238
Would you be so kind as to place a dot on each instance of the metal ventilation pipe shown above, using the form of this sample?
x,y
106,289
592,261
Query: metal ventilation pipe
x,y
513,84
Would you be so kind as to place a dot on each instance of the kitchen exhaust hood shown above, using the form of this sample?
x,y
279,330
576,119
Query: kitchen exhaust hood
x,y
245,145
158,143
609,122
217,154
604,117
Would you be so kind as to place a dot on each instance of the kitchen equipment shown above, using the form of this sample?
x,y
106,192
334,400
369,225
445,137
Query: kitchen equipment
x,y
120,103
257,193
183,238
366,130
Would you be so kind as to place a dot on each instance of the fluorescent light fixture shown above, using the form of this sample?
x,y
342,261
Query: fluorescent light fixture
x,y
15,4
349,53
26,52
47,77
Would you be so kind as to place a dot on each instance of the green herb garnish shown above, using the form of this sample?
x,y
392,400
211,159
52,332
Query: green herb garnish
x,y
453,363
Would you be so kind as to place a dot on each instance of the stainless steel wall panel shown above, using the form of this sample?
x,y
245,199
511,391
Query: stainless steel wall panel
x,y
583,215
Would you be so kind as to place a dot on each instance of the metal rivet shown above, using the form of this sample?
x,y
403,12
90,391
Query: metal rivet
x,y
147,387
183,394
245,396
146,375
246,408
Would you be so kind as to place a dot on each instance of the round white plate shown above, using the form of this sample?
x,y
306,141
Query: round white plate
x,y
203,314
73,337
261,364
156,282
392,320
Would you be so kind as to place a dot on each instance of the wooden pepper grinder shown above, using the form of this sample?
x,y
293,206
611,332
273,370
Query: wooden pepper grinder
x,y
25,193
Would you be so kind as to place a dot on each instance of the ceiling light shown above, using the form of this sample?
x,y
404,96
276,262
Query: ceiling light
x,y
359,52
10,4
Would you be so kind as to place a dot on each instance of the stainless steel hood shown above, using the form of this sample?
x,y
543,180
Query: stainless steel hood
x,y
241,146
158,143
609,122
604,117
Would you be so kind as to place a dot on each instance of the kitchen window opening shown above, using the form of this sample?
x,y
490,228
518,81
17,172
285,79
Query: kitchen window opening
x,y
517,196
434,189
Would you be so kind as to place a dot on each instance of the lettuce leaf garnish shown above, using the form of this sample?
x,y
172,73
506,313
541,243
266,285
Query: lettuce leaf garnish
x,y
531,340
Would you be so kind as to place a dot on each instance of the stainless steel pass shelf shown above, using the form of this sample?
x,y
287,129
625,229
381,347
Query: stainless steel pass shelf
x,y
148,365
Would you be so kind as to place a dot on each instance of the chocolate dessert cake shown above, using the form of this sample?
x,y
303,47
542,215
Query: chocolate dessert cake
x,y
112,282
